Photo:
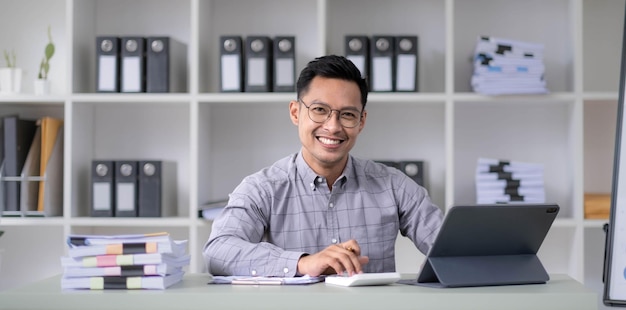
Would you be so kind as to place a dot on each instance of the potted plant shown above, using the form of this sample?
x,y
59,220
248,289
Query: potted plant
x,y
42,84
10,76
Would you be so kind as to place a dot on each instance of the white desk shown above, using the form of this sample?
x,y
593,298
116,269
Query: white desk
x,y
561,292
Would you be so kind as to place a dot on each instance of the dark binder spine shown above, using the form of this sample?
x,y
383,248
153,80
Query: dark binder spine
x,y
18,136
150,189
284,64
133,65
102,188
258,72
382,65
126,188
158,65
357,50
108,64
231,64
406,64
413,169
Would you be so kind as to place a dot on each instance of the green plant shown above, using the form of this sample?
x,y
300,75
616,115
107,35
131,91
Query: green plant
x,y
10,58
44,67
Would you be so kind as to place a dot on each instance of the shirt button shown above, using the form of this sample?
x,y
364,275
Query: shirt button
x,y
333,240
253,272
286,270
331,205
320,179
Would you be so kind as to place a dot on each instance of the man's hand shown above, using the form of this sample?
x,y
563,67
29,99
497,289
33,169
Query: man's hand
x,y
339,258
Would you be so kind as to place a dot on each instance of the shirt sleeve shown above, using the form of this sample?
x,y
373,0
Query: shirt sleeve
x,y
236,246
420,218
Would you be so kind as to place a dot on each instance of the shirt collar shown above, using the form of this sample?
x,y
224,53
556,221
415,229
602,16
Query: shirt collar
x,y
310,177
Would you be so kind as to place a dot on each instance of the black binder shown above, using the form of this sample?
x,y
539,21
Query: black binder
x,y
258,65
486,245
231,64
406,64
284,64
165,65
157,188
382,64
108,64
414,169
357,50
125,188
102,188
133,65
18,137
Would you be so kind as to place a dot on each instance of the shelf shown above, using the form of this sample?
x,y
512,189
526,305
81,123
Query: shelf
x,y
217,138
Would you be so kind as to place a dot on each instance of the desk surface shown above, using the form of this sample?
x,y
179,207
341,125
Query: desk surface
x,y
561,292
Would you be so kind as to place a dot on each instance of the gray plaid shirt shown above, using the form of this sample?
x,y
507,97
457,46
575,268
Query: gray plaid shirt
x,y
284,211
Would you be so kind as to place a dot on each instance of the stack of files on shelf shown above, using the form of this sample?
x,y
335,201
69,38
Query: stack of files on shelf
x,y
504,67
150,261
32,166
500,181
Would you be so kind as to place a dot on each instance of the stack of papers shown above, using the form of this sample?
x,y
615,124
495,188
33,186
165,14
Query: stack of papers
x,y
96,262
503,66
499,181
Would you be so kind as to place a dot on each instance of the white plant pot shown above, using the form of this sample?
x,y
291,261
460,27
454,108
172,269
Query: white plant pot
x,y
42,87
10,80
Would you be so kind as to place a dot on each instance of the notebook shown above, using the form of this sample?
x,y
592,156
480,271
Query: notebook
x,y
483,245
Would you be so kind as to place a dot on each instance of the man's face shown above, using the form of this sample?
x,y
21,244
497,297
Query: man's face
x,y
326,145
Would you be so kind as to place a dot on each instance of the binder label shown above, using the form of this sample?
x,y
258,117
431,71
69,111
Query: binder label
x,y
125,197
102,201
406,72
132,74
107,76
284,72
257,73
231,79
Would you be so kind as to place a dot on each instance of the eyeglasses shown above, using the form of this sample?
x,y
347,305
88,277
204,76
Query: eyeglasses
x,y
320,113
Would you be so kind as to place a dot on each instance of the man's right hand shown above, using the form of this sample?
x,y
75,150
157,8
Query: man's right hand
x,y
335,259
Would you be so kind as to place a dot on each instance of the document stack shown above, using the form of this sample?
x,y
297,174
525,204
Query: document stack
x,y
504,67
500,181
97,262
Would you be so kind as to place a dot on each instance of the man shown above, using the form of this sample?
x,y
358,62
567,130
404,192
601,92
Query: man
x,y
322,211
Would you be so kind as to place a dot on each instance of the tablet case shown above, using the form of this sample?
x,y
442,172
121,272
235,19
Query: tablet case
x,y
484,245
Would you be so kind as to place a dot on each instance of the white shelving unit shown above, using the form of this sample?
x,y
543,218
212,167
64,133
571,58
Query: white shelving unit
x,y
216,139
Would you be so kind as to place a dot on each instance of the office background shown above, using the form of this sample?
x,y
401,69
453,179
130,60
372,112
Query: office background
x,y
215,139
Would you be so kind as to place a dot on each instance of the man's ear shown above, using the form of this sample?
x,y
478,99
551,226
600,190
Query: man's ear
x,y
294,112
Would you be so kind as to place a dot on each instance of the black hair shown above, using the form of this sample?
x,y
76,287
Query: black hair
x,y
331,66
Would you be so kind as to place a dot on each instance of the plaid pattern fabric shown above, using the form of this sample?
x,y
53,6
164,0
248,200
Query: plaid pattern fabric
x,y
284,211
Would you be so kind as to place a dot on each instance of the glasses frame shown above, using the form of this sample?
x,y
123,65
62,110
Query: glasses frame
x,y
330,114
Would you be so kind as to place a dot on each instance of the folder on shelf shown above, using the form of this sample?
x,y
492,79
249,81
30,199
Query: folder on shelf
x,y
125,188
108,64
51,197
166,64
406,63
157,188
382,55
29,184
258,64
357,50
284,64
102,188
133,65
100,283
231,64
50,128
18,137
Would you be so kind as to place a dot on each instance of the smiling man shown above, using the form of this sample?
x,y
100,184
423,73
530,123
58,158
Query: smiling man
x,y
321,210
